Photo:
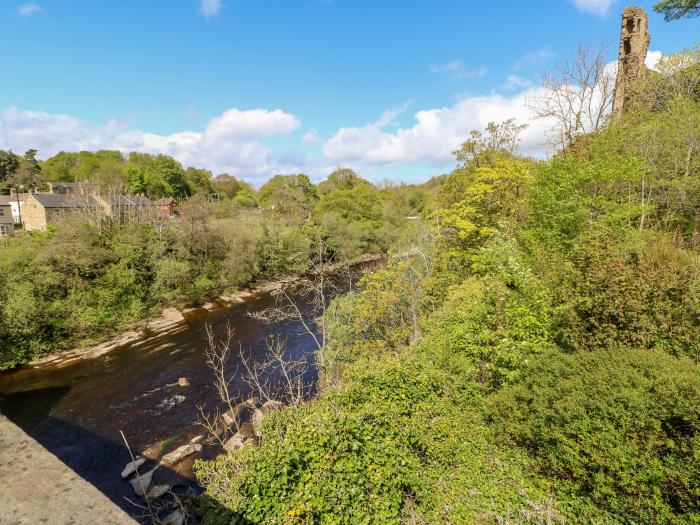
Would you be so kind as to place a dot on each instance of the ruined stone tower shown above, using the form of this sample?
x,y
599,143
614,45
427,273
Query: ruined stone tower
x,y
634,43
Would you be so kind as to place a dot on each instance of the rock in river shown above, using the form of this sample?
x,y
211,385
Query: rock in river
x,y
141,482
183,382
174,518
181,453
132,466
245,436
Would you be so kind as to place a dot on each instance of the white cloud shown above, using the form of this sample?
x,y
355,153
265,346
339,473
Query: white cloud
x,y
435,133
311,137
652,59
28,9
230,142
594,7
533,58
514,82
210,7
457,69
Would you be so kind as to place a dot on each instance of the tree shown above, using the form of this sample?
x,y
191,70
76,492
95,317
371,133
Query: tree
x,y
289,196
9,162
30,168
577,96
226,184
341,179
675,9
481,149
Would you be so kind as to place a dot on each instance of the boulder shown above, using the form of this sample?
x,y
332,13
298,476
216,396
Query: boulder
x,y
132,466
245,436
233,416
157,491
174,518
197,439
259,414
183,382
181,453
141,482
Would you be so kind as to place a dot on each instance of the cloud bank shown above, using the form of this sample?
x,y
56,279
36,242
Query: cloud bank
x,y
230,142
234,141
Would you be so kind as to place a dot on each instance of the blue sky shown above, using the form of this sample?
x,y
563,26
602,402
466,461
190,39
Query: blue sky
x,y
257,87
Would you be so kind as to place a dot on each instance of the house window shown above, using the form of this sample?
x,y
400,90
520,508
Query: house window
x,y
2,212
5,230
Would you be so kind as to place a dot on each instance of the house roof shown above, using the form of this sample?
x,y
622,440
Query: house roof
x,y
58,200
165,201
4,202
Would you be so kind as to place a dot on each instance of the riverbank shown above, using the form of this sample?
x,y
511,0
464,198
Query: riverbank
x,y
172,320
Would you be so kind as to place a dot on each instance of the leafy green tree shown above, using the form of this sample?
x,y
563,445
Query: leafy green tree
x,y
675,9
341,179
290,197
226,184
30,169
9,163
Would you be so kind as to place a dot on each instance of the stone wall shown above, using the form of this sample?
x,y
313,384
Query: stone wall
x,y
634,43
33,214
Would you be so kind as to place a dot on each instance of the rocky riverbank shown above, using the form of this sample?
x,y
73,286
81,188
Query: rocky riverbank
x,y
172,320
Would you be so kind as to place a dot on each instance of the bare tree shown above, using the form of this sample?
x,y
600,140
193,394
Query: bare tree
x,y
315,291
275,377
577,95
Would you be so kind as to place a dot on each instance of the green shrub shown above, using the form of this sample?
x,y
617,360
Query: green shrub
x,y
618,430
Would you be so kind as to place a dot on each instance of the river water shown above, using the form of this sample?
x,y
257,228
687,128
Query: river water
x,y
78,411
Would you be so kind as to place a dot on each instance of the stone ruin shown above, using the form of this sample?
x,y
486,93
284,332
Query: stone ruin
x,y
634,43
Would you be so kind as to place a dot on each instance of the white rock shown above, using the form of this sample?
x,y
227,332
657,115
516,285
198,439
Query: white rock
x,y
197,439
141,483
156,491
174,518
181,453
132,466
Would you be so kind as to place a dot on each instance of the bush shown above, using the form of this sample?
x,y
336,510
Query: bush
x,y
399,443
618,430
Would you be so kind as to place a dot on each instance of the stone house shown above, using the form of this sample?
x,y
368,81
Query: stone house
x,y
7,223
42,209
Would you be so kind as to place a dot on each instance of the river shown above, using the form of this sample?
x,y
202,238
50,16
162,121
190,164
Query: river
x,y
78,411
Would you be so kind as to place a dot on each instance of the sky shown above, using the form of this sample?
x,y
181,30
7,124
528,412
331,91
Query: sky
x,y
260,87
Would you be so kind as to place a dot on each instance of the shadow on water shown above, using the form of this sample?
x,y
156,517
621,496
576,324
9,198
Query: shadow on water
x,y
97,460
77,411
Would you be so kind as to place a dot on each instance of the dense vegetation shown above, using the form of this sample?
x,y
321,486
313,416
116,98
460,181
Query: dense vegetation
x,y
528,355
89,276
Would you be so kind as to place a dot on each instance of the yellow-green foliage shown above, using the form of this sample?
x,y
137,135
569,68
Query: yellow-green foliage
x,y
532,359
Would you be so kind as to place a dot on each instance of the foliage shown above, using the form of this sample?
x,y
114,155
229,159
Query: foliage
x,y
675,9
617,429
529,353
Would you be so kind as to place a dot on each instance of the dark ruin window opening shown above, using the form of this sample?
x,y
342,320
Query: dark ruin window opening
x,y
630,25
